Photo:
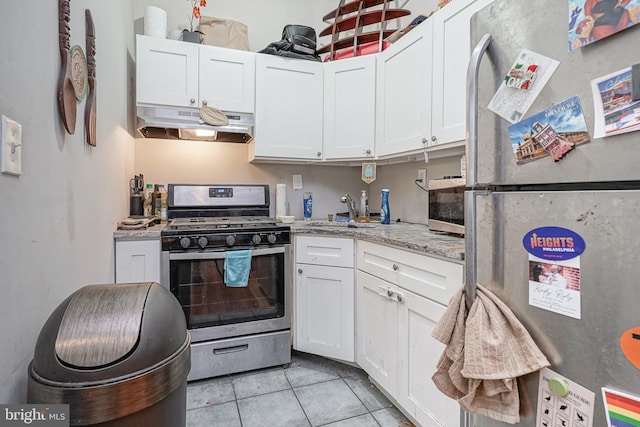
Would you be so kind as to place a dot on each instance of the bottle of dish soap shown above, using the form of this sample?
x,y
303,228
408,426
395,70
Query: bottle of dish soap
x,y
364,207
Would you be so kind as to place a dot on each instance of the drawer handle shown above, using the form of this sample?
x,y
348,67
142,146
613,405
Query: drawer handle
x,y
395,267
299,271
227,350
389,293
400,298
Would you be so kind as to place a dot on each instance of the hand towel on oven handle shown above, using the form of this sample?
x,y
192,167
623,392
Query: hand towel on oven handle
x,y
237,265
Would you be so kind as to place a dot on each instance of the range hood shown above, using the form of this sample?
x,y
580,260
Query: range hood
x,y
185,123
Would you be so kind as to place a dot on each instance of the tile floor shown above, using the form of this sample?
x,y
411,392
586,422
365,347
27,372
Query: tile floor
x,y
312,391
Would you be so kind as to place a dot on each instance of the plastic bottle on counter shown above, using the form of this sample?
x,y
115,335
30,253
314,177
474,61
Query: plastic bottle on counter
x,y
307,206
155,201
385,217
147,201
163,205
364,207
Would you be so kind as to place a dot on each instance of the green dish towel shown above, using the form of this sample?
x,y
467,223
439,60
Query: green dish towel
x,y
237,265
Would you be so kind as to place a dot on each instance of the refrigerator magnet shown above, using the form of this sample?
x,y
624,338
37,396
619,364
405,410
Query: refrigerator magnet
x,y
554,269
552,132
621,409
511,103
562,402
630,345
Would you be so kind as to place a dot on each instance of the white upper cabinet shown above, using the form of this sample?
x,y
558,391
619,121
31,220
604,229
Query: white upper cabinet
x,y
349,108
180,74
227,79
451,53
166,72
288,122
404,93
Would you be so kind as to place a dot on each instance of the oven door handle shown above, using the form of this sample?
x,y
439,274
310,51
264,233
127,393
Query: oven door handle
x,y
220,254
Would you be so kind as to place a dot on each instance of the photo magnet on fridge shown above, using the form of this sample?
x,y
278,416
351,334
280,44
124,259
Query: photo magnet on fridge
x,y
552,132
593,20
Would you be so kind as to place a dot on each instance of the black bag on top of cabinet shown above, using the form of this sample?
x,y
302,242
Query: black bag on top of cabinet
x,y
298,41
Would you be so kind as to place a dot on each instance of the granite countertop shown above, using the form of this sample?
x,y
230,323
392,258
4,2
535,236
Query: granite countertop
x,y
152,232
416,237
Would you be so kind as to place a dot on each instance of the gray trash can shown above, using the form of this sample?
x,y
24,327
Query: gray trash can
x,y
119,355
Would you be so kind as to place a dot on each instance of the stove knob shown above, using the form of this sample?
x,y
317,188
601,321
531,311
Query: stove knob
x,y
256,239
271,238
203,242
231,240
185,242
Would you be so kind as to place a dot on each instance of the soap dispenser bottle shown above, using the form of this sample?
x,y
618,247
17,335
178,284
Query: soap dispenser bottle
x,y
364,207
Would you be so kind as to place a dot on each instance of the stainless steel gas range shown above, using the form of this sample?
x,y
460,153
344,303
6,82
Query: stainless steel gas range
x,y
234,326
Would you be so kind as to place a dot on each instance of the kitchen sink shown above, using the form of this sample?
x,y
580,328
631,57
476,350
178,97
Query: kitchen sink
x,y
341,224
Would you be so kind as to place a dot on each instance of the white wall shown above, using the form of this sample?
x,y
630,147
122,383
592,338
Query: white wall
x,y
198,162
57,219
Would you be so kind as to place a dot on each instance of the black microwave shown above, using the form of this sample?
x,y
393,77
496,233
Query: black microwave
x,y
446,205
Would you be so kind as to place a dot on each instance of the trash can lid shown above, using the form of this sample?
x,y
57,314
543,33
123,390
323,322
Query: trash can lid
x,y
103,333
101,325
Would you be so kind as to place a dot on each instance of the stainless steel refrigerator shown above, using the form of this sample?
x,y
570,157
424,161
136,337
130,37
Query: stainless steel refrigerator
x,y
593,191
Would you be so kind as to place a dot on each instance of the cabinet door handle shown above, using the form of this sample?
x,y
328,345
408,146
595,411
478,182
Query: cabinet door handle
x,y
433,138
389,293
192,100
299,271
319,154
204,102
400,298
395,267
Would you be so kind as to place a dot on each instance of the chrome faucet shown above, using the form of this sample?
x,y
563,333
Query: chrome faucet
x,y
351,204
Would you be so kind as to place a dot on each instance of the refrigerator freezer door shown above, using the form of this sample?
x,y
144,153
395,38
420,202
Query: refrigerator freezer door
x,y
585,350
542,27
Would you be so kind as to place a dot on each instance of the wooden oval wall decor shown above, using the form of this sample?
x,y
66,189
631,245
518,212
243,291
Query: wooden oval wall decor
x,y
630,345
78,72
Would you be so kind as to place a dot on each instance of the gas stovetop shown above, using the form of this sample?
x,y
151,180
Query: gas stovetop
x,y
224,222
223,232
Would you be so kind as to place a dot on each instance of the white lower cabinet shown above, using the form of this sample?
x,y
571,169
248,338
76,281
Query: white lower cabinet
x,y
137,261
325,297
377,331
394,344
418,355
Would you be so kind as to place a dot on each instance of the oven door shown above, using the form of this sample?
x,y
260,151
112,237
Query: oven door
x,y
214,310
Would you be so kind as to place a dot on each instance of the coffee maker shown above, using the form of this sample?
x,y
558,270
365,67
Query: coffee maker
x,y
136,188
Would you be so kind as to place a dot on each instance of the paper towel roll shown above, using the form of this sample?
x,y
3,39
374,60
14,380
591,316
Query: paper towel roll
x,y
281,200
155,22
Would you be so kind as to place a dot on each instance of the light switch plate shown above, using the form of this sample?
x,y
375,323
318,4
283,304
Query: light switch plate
x,y
11,148
297,182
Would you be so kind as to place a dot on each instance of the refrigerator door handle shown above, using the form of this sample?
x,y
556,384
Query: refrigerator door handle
x,y
471,263
473,72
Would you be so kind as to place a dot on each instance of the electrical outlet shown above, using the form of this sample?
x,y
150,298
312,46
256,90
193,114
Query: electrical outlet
x,y
297,182
11,148
422,177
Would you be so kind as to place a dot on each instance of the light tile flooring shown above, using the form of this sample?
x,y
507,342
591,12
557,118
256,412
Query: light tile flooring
x,y
312,391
